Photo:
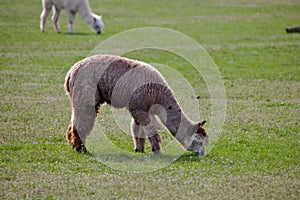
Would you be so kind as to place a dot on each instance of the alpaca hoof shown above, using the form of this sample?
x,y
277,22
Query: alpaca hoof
x,y
81,149
78,145
138,150
156,152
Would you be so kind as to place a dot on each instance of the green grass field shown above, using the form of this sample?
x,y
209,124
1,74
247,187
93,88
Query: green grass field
x,y
258,153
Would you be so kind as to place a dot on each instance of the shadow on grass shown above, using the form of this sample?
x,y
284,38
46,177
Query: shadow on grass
x,y
80,34
77,34
139,162
188,156
144,157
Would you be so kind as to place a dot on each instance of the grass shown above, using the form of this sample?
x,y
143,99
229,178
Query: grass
x,y
257,156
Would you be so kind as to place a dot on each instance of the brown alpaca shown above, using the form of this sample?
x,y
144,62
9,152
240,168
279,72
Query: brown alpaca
x,y
140,88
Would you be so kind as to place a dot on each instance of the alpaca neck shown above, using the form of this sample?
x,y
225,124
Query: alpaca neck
x,y
181,129
178,124
88,18
85,12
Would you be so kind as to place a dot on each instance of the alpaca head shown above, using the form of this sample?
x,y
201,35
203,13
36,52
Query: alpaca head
x,y
97,23
199,139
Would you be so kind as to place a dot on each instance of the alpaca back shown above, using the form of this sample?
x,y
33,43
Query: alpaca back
x,y
72,5
114,80
123,78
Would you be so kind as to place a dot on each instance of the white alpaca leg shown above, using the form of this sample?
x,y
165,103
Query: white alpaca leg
x,y
55,17
71,17
46,10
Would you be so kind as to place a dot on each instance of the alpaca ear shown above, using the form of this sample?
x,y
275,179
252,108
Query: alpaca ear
x,y
100,17
201,130
202,123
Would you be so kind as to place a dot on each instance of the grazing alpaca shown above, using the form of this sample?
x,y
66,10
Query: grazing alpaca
x,y
72,7
140,88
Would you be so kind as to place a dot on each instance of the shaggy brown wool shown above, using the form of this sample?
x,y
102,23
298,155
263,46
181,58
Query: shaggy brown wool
x,y
137,86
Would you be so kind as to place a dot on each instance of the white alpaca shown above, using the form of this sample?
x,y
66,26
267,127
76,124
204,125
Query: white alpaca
x,y
72,7
140,88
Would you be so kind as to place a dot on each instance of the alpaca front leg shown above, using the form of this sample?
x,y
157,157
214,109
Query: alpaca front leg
x,y
152,133
55,17
139,144
139,137
155,142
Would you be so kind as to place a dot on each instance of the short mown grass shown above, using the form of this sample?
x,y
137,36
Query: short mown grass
x,y
257,155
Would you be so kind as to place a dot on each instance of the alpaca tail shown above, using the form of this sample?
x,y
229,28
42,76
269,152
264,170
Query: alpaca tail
x,y
67,83
70,78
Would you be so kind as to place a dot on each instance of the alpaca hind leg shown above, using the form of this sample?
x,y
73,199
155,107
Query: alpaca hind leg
x,y
74,139
80,127
55,17
46,10
139,137
69,133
